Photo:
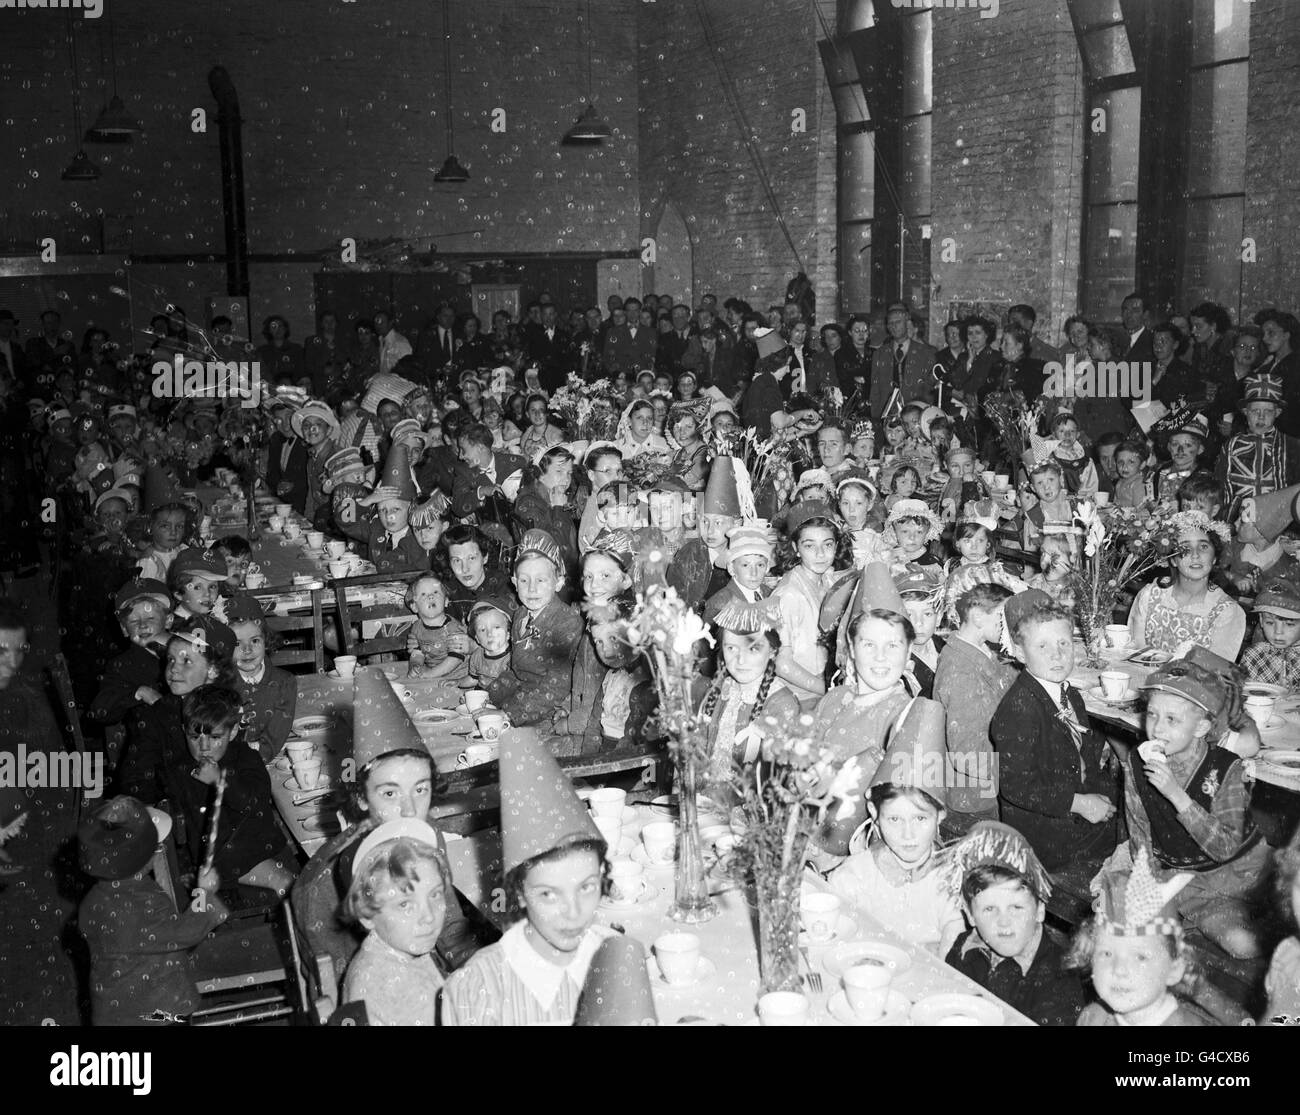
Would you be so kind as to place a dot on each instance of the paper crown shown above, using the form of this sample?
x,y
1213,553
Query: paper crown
x,y
915,509
1136,904
117,839
121,410
337,465
1263,388
721,496
142,588
876,589
815,477
1196,425
112,493
915,754
1276,511
993,844
982,511
425,515
801,513
751,537
408,427
537,541
397,483
617,988
353,861
380,724
385,385
539,810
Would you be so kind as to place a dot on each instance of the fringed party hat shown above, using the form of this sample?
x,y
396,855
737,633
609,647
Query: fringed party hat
x,y
993,844
617,989
538,541
539,810
380,725
746,618
1136,904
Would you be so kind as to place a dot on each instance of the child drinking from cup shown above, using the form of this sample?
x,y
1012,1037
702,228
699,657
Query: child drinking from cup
x,y
269,694
1188,804
1008,950
436,644
489,626
398,894
554,873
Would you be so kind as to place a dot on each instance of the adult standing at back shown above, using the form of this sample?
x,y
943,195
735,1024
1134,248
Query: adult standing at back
x,y
629,347
902,370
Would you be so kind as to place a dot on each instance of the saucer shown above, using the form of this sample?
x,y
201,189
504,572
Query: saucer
x,y
1130,695
1262,689
897,1006
326,824
648,892
643,858
938,1010
433,716
311,725
291,783
845,929
703,970
844,956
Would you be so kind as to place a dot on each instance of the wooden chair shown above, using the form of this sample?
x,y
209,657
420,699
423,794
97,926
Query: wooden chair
x,y
314,976
346,610
63,687
313,655
240,974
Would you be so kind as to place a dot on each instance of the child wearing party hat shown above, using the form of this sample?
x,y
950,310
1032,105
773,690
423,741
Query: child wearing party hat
x,y
140,945
1135,951
386,531
1008,950
1187,804
553,871
751,550
617,991
891,876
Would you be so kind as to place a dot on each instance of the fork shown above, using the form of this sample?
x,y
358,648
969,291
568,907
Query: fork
x,y
813,979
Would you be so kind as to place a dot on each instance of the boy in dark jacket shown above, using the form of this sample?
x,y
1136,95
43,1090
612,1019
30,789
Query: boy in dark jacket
x,y
134,677
1053,788
1009,950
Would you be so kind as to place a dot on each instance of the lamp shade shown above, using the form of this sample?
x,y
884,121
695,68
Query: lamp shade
x,y
81,169
588,128
452,171
114,124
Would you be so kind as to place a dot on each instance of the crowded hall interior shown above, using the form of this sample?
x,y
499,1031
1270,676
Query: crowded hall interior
x,y
624,512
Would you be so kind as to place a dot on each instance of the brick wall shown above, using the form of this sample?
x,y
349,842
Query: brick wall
x,y
1008,159
1272,136
343,126
692,151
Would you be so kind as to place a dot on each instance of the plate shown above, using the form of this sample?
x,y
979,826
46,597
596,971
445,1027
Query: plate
x,y
971,1009
649,892
311,725
1099,694
897,1006
326,824
434,716
703,970
162,822
845,930
291,783
1288,760
1263,689
844,956
641,856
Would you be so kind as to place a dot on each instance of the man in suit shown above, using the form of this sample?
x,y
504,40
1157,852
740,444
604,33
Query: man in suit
x,y
286,464
438,343
629,347
674,344
1052,788
12,358
1026,317
900,365
551,347
712,361
1133,312
48,354
486,472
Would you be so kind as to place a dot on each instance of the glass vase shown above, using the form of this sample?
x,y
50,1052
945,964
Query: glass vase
x,y
691,901
778,936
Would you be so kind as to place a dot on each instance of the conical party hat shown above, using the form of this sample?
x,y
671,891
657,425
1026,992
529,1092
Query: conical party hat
x,y
397,482
876,589
380,725
539,810
617,990
1276,511
916,754
720,494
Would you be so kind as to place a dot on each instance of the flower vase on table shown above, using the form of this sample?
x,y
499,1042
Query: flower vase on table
x,y
691,901
778,932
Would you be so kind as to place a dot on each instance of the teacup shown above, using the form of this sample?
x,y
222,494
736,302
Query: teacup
x,y
782,1008
339,569
336,548
275,523
660,840
1260,709
611,832
866,986
292,531
491,723
299,749
254,580
989,477
820,913
626,880
1118,635
475,699
315,539
607,801
1002,481
678,955
1114,684
307,773
346,665
476,754
284,510
1102,498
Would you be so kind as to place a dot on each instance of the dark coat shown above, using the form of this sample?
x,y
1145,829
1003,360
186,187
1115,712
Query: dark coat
x,y
269,706
918,383
152,733
467,481
669,350
1047,993
716,370
1039,770
761,400
408,556
288,484
850,367
628,354
134,668
555,356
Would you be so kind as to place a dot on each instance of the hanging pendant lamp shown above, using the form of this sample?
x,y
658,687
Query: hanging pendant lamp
x,y
451,170
114,124
589,129
81,169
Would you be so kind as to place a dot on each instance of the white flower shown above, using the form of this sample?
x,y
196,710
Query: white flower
x,y
690,629
846,784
